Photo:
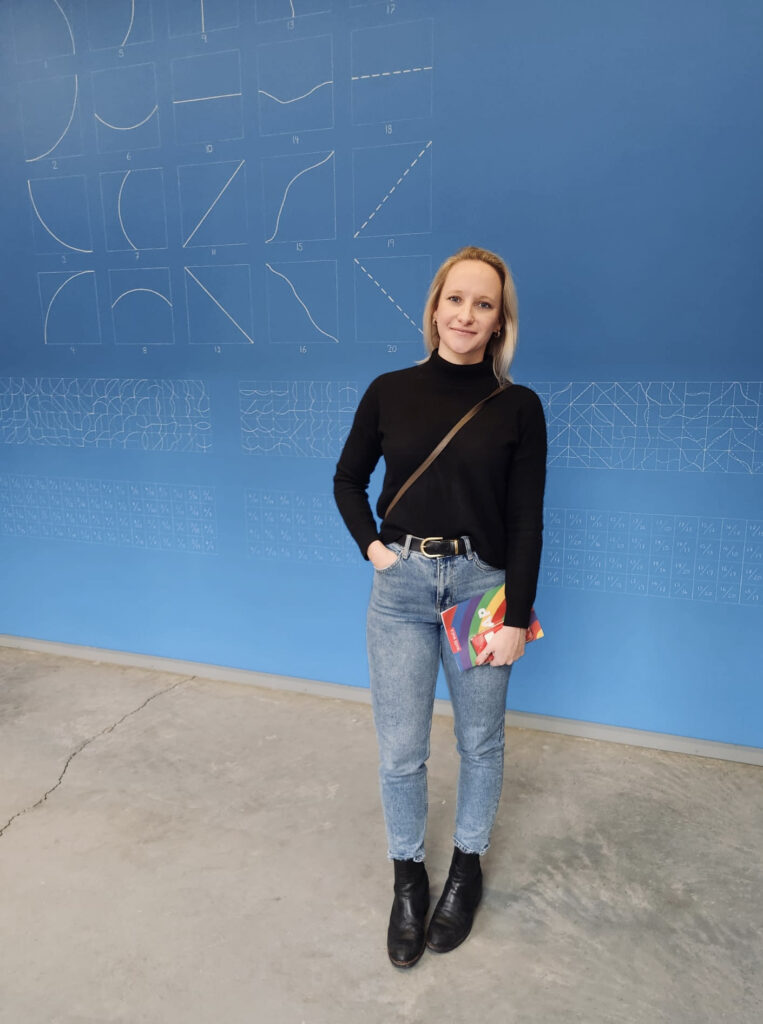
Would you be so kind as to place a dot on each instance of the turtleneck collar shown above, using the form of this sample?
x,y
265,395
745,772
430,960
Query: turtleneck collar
x,y
458,372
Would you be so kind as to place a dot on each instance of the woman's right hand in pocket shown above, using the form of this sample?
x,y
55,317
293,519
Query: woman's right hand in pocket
x,y
380,556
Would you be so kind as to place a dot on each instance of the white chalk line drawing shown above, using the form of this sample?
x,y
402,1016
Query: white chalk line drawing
x,y
119,210
74,248
384,292
203,18
106,412
221,308
151,291
387,74
31,160
304,95
653,554
405,173
55,296
185,243
68,25
673,426
299,300
127,127
291,8
129,27
203,99
286,191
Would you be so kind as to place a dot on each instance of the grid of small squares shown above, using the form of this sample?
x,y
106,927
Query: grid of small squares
x,y
168,517
297,527
696,558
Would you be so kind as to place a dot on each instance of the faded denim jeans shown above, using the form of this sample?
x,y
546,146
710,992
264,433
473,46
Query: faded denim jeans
x,y
406,641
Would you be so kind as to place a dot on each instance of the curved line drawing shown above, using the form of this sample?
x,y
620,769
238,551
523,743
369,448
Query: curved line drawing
x,y
222,308
151,291
296,296
32,159
405,173
55,296
129,27
68,25
127,127
74,248
185,243
286,192
384,292
291,5
330,81
119,210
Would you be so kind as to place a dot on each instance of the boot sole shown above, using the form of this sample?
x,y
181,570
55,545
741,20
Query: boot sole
x,y
406,963
448,949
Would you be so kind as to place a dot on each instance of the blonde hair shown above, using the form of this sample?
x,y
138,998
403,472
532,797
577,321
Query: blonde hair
x,y
501,348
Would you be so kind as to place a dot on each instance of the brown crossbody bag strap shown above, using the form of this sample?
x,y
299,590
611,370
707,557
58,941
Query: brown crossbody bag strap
x,y
441,447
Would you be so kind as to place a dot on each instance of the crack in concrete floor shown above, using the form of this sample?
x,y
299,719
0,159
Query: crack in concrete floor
x,y
86,743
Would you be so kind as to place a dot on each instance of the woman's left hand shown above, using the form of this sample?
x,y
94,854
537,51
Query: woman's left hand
x,y
506,646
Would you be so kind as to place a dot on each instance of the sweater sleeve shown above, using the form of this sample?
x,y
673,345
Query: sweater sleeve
x,y
361,452
524,513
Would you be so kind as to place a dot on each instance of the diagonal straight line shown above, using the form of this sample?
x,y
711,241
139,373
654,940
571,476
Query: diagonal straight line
x,y
221,308
185,243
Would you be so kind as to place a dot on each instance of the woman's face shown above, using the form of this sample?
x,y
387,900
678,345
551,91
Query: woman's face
x,y
469,311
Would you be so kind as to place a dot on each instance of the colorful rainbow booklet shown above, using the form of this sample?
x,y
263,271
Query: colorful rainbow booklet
x,y
469,623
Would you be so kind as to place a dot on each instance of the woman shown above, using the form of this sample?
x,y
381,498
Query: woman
x,y
473,520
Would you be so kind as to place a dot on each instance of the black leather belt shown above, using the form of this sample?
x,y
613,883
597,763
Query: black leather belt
x,y
437,547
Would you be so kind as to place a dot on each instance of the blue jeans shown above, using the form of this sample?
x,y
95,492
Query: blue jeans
x,y
406,641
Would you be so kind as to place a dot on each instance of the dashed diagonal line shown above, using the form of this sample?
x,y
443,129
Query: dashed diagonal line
x,y
185,243
388,74
389,297
405,173
221,308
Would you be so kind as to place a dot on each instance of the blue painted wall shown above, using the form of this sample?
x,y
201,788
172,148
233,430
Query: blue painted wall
x,y
218,223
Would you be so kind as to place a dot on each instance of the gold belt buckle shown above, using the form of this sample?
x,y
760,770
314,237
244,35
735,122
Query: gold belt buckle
x,y
424,542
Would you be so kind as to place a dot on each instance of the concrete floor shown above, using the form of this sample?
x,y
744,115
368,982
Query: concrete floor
x,y
179,851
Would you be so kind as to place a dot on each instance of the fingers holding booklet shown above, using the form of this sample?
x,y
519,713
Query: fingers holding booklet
x,y
473,625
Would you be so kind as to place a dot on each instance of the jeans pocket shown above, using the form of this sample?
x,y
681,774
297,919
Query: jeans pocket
x,y
396,549
484,566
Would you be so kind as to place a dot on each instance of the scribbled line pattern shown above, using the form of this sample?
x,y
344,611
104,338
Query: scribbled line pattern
x,y
120,513
297,527
671,426
298,418
695,558
150,415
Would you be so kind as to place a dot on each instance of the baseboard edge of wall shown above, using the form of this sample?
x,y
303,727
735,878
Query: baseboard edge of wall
x,y
668,742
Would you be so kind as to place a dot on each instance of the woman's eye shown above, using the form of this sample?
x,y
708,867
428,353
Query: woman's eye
x,y
486,305
453,298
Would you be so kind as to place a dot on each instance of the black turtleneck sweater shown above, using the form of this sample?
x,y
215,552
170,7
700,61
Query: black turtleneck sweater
x,y
487,484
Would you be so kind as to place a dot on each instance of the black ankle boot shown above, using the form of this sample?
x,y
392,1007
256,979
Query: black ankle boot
x,y
406,936
454,913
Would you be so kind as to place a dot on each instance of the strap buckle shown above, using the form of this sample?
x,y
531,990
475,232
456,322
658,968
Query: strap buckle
x,y
424,543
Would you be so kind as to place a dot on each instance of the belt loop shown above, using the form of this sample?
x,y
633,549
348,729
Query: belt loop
x,y
407,545
468,548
